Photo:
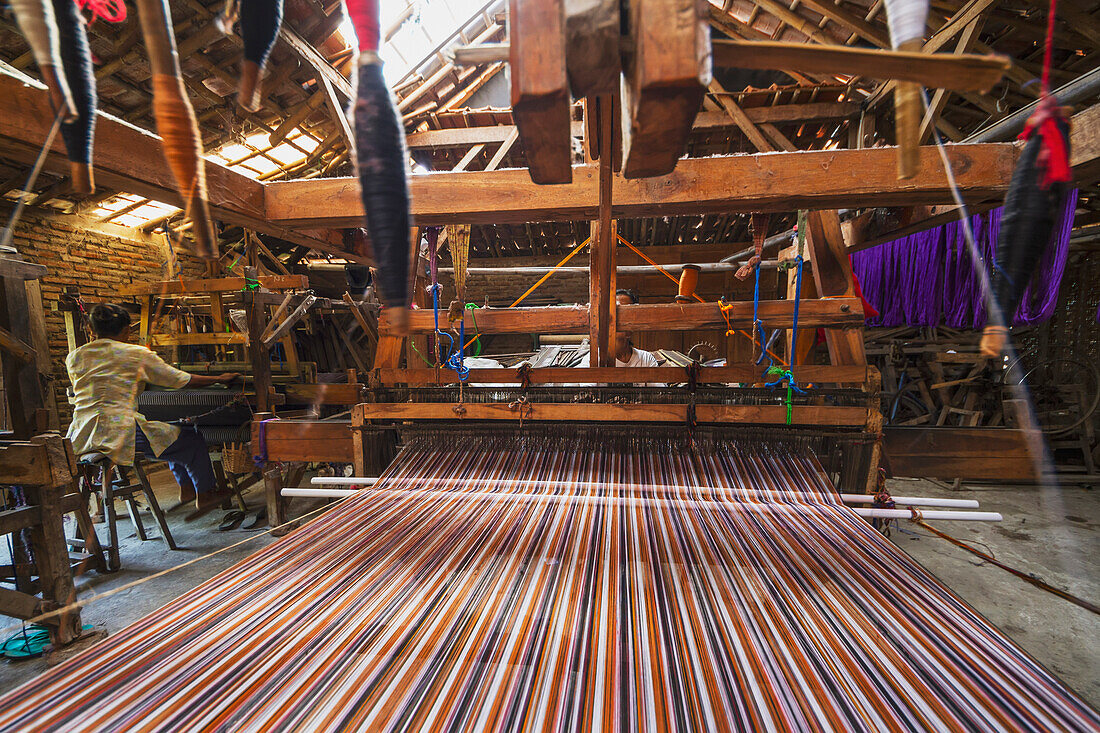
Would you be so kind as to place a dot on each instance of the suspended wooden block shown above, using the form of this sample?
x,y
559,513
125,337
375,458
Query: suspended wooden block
x,y
664,80
540,88
592,58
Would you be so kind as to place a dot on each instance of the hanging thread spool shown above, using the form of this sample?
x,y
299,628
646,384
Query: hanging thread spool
x,y
689,279
907,19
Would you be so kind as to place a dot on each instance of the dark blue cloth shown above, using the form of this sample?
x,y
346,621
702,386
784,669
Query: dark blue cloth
x,y
188,458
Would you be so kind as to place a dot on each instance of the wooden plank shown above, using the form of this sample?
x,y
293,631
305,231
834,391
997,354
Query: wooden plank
x,y
994,454
963,72
22,387
195,339
324,394
737,374
14,520
16,347
19,605
214,285
781,182
460,137
304,440
540,88
664,81
775,314
565,319
10,267
743,414
646,317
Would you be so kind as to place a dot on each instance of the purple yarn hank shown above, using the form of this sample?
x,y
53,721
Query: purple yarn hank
x,y
927,279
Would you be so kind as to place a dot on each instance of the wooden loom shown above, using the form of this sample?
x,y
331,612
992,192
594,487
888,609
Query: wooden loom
x,y
640,106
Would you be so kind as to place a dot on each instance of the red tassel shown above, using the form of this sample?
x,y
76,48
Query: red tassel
x,y
1054,155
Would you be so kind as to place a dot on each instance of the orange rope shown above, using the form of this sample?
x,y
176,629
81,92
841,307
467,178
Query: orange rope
x,y
541,280
669,275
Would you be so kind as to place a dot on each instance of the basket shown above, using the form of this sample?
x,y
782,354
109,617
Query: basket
x,y
237,458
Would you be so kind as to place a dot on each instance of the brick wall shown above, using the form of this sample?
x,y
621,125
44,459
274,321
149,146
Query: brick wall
x,y
91,260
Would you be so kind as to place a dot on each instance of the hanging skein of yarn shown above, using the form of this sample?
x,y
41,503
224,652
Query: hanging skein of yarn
x,y
907,19
1032,207
76,61
381,163
260,21
39,26
458,242
176,122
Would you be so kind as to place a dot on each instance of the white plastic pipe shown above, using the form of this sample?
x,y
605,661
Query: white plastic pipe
x,y
630,501
507,483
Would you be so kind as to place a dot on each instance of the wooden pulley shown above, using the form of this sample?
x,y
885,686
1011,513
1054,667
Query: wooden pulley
x,y
907,20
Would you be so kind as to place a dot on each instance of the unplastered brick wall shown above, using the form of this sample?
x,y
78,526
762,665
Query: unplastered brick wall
x,y
97,263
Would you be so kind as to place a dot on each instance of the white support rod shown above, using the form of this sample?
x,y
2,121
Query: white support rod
x,y
935,514
510,483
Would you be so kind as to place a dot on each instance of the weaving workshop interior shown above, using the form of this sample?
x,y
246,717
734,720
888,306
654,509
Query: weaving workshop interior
x,y
550,365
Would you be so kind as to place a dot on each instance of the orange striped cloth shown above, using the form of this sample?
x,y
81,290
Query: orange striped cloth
x,y
585,585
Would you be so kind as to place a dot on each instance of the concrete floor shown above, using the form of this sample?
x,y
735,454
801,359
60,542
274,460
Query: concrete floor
x,y
1052,536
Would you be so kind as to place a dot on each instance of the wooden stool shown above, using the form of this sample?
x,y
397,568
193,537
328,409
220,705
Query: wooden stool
x,y
109,491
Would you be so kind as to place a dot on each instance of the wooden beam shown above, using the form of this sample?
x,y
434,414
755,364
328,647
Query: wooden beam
x,y
741,373
126,157
505,146
664,81
601,252
304,50
721,185
815,415
740,118
460,137
540,89
965,72
650,317
336,111
215,285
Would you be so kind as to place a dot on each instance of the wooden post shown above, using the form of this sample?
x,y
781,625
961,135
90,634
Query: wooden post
x,y
257,352
276,504
21,383
833,275
51,556
601,253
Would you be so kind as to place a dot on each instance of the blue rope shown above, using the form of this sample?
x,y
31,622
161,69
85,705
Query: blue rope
x,y
450,357
757,324
797,300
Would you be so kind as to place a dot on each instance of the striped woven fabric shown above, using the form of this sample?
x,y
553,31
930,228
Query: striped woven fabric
x,y
494,584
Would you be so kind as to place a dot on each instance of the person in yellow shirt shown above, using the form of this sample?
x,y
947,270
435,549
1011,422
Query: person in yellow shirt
x,y
107,375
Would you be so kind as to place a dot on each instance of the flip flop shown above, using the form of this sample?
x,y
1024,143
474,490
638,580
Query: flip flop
x,y
29,643
258,521
232,520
